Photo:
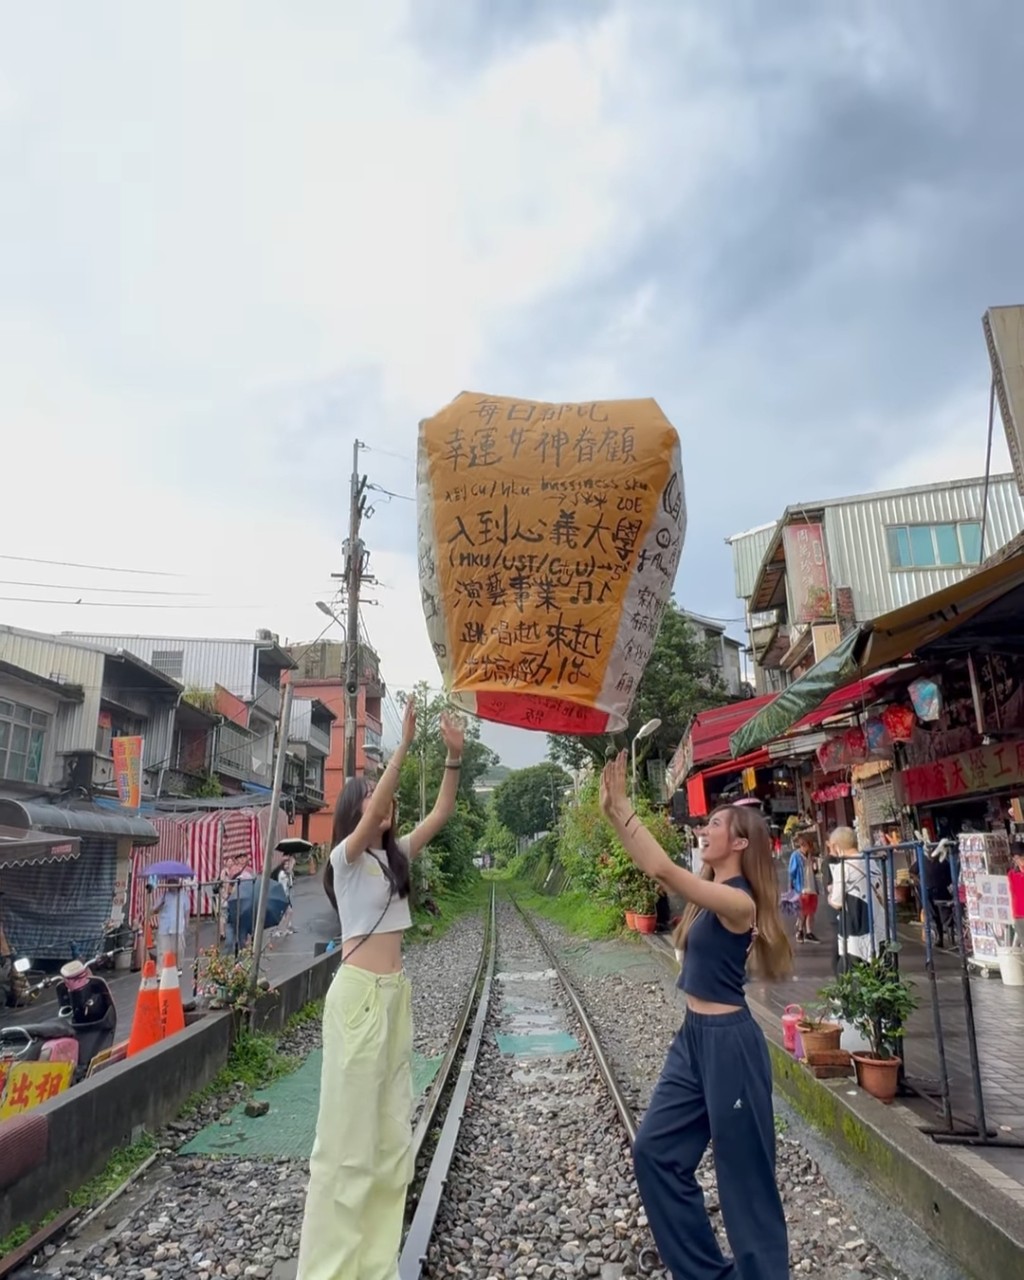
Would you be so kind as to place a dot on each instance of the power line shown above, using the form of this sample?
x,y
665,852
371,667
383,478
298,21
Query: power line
x,y
99,568
379,488
116,604
402,457
109,591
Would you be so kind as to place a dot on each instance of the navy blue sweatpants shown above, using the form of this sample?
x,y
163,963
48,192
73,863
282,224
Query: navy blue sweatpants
x,y
716,1086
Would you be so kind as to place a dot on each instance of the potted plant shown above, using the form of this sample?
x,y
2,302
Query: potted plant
x,y
878,1002
818,1032
645,904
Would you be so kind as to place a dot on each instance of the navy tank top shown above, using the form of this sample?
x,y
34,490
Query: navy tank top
x,y
715,959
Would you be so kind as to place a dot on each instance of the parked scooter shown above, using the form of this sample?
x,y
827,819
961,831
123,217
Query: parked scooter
x,y
85,1025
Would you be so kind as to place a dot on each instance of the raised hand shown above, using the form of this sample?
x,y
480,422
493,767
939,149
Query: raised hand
x,y
409,723
453,735
614,800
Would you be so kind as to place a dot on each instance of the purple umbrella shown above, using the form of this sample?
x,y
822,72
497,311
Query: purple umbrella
x,y
169,867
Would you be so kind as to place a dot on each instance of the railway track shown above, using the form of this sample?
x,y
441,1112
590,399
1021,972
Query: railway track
x,y
536,1132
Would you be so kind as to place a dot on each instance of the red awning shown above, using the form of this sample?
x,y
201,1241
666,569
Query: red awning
x,y
711,730
696,794
851,697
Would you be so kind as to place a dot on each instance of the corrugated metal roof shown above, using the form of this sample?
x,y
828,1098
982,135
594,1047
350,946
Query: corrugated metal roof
x,y
205,663
747,553
855,534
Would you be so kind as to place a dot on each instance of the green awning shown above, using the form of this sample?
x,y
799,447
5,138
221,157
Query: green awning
x,y
802,697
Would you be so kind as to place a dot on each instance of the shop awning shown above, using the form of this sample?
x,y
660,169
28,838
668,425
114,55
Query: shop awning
x,y
922,628
711,730
915,627
696,793
79,820
20,848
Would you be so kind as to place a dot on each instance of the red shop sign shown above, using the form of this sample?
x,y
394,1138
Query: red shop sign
x,y
985,769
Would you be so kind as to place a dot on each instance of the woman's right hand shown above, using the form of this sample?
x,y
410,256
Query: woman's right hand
x,y
409,723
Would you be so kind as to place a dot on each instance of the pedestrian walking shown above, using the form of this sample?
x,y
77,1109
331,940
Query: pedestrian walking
x,y
285,877
361,1164
716,1085
803,880
862,929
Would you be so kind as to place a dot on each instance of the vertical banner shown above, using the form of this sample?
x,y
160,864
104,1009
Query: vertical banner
x,y
807,568
549,538
127,754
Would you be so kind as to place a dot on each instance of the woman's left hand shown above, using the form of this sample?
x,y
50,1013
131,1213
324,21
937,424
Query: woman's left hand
x,y
453,734
614,801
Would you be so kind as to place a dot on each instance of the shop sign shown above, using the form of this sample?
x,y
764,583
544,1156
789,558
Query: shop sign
x,y
127,754
808,572
30,1083
984,769
826,637
994,899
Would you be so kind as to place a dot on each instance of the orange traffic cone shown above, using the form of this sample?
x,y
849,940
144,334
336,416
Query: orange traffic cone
x,y
147,1026
172,1015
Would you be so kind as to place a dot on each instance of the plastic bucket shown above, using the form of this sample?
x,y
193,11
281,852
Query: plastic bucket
x,y
1011,966
791,1015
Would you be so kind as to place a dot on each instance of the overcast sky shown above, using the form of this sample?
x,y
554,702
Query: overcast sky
x,y
234,235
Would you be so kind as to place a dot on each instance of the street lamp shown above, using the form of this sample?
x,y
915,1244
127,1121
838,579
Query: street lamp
x,y
652,726
329,612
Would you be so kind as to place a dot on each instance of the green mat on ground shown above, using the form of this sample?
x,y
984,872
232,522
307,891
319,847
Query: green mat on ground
x,y
288,1128
540,1044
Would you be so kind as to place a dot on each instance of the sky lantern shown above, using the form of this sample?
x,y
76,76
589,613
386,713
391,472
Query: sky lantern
x,y
549,537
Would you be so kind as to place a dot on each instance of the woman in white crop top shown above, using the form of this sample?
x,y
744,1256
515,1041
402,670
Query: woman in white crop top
x,y
361,1164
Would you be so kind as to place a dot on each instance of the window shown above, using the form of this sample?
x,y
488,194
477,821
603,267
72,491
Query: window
x,y
169,661
22,736
115,724
929,546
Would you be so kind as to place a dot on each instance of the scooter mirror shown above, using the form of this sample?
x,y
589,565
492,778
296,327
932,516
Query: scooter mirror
x,y
22,964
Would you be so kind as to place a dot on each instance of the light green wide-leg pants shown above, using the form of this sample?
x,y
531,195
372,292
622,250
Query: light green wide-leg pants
x,y
361,1164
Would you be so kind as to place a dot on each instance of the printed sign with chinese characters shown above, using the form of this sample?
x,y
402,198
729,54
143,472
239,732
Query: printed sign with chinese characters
x,y
807,569
549,537
988,768
127,754
994,899
30,1083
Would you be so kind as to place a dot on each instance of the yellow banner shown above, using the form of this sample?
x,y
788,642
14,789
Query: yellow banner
x,y
30,1083
549,537
128,770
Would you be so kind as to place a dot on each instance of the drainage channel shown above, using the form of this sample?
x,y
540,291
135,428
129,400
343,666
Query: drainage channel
x,y
537,1134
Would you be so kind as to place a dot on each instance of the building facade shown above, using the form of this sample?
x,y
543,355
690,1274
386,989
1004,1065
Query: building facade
x,y
318,675
237,683
725,652
823,567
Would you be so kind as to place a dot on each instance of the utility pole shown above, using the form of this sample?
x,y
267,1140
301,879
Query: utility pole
x,y
283,727
353,581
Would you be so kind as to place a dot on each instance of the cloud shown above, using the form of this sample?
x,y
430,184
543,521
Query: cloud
x,y
236,238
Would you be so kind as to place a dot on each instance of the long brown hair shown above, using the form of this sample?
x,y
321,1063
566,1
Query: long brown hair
x,y
771,954
347,812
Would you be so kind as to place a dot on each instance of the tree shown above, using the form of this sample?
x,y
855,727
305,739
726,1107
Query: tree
x,y
529,800
497,840
678,681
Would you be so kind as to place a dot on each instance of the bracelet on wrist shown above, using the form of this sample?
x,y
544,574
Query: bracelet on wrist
x,y
453,764
633,817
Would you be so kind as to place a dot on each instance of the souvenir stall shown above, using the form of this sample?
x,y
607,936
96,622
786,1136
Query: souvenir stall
x,y
964,782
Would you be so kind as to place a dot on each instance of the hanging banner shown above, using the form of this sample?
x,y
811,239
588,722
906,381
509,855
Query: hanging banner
x,y
808,572
549,537
127,753
988,768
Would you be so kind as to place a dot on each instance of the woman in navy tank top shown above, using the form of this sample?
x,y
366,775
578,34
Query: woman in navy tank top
x,y
716,1085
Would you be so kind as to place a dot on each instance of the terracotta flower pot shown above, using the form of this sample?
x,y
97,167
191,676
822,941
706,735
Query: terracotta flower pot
x,y
822,1038
877,1076
630,919
646,924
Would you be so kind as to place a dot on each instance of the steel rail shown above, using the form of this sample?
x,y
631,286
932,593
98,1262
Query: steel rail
x,y
417,1241
430,1106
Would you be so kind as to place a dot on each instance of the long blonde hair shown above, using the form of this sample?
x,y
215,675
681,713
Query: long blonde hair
x,y
772,955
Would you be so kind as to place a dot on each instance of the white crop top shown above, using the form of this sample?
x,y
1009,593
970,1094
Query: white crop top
x,y
361,888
